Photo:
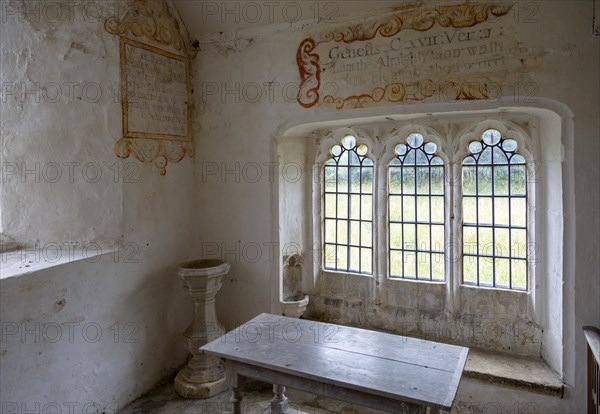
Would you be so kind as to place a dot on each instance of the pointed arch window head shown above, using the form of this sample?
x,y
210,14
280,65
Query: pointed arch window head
x,y
416,211
348,208
494,197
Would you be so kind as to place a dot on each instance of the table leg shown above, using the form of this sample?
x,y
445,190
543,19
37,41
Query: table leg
x,y
279,403
235,382
236,400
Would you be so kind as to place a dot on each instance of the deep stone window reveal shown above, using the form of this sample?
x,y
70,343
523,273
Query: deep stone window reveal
x,y
493,202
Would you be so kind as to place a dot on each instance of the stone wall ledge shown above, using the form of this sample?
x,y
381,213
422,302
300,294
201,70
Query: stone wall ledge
x,y
25,261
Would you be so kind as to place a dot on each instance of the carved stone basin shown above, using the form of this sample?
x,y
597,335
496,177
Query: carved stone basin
x,y
294,306
204,267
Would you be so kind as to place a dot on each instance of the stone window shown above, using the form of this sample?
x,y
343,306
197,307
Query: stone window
x,y
494,207
416,211
348,208
490,185
508,313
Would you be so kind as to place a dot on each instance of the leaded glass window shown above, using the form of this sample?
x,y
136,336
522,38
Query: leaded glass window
x,y
416,211
494,209
348,208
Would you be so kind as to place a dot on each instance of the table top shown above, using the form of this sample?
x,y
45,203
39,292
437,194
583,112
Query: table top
x,y
392,366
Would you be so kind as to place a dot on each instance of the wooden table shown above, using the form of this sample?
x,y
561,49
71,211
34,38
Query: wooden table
x,y
378,370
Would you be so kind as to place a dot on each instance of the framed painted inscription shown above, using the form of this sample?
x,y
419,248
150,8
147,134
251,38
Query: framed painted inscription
x,y
155,87
418,52
155,93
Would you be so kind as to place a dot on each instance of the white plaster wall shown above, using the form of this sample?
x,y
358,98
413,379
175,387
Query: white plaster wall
x,y
133,294
234,124
92,334
60,119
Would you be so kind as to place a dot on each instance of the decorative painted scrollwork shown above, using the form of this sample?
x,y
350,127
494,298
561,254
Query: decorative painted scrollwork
x,y
151,20
308,93
161,152
413,91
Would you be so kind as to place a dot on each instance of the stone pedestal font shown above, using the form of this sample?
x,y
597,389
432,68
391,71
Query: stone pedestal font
x,y
204,375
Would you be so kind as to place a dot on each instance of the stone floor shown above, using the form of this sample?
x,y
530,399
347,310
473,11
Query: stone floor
x,y
256,396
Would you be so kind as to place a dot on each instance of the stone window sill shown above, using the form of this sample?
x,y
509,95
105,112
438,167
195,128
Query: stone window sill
x,y
21,262
530,373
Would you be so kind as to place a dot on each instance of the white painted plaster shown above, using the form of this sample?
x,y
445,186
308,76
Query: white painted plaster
x,y
134,225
